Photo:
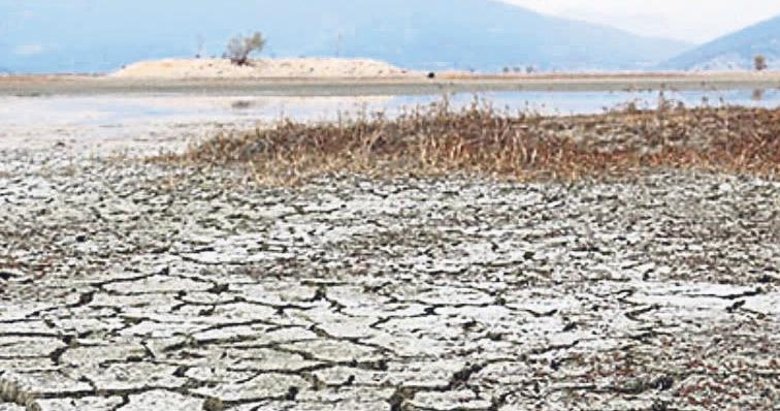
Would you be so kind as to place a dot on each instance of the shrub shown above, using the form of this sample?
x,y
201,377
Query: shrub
x,y
240,48
759,62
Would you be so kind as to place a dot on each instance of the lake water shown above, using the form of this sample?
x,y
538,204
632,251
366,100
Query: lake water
x,y
117,110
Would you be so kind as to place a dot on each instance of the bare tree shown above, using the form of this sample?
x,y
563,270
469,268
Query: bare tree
x,y
240,48
759,62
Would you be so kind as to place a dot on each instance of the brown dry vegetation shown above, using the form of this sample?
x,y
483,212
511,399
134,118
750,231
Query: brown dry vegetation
x,y
438,140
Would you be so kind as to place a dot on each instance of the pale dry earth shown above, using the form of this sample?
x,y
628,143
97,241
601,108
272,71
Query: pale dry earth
x,y
264,68
134,286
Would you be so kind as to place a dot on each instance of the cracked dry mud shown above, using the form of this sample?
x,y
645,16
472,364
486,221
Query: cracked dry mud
x,y
128,286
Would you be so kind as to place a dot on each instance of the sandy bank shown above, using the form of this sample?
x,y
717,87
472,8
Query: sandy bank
x,y
264,68
409,84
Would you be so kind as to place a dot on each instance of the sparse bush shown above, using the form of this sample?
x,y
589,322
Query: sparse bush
x,y
759,62
240,48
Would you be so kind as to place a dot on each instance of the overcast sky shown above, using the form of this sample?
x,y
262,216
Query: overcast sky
x,y
689,20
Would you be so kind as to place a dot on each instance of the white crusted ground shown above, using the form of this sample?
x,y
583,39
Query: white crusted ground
x,y
128,286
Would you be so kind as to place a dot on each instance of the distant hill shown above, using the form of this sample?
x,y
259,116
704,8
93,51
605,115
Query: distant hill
x,y
734,51
483,35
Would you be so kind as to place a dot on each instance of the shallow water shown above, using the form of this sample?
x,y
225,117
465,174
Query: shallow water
x,y
116,110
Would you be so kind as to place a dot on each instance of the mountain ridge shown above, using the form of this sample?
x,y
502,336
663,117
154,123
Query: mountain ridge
x,y
481,35
734,50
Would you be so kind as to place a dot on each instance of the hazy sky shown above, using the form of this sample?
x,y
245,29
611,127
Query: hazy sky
x,y
690,20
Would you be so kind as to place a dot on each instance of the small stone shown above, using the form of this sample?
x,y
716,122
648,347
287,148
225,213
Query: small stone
x,y
659,406
292,392
664,383
32,405
23,397
635,387
736,306
8,390
213,404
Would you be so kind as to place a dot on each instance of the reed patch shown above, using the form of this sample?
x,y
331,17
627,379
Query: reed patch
x,y
438,140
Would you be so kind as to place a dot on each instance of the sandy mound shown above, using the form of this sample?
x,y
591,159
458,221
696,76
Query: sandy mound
x,y
265,68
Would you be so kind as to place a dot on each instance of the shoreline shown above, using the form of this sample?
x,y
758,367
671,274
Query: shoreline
x,y
40,85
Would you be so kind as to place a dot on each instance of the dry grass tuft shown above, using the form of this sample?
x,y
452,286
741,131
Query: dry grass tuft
x,y
438,140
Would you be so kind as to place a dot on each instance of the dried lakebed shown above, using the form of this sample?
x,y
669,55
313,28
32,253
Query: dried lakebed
x,y
128,286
